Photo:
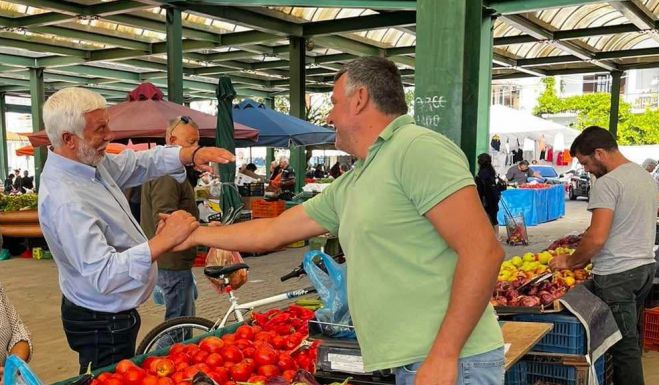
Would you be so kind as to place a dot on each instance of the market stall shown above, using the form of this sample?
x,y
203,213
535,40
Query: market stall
x,y
536,205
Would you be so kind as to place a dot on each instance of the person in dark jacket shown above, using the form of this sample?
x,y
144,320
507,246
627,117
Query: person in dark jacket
x,y
18,181
9,184
488,191
28,181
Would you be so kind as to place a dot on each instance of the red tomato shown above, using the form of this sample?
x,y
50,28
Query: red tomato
x,y
184,383
165,381
134,376
146,364
150,379
289,374
181,366
245,332
200,356
124,365
220,375
103,377
263,336
228,364
263,344
249,351
286,362
114,381
230,383
179,357
250,362
164,367
189,372
256,329
268,370
214,360
203,367
278,342
243,343
177,348
228,339
178,377
265,356
231,353
211,344
190,353
241,372
257,380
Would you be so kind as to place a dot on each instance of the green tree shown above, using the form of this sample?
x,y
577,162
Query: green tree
x,y
593,110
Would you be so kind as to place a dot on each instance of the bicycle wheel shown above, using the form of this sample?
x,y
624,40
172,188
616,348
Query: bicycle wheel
x,y
173,331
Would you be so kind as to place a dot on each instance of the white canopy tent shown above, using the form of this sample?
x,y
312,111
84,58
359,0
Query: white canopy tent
x,y
513,125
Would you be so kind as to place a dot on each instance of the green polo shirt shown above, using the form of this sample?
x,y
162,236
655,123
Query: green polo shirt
x,y
400,270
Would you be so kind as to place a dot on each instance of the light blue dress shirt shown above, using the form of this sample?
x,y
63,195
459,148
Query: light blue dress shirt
x,y
102,254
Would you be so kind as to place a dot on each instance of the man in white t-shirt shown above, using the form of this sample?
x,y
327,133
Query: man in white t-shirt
x,y
619,242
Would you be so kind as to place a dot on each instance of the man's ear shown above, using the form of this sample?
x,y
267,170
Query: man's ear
x,y
172,140
361,98
68,140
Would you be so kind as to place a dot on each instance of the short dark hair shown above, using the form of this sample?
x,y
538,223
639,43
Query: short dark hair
x,y
592,138
381,78
523,162
251,167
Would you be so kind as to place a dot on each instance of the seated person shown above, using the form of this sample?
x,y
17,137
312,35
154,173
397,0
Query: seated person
x,y
250,170
519,172
14,336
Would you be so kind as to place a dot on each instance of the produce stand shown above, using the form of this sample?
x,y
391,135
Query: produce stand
x,y
535,205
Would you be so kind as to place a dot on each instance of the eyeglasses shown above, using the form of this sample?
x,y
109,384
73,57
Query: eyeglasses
x,y
181,119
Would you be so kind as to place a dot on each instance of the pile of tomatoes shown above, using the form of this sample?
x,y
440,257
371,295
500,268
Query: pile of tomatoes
x,y
252,354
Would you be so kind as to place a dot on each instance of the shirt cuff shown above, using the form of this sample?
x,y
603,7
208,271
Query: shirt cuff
x,y
173,163
139,266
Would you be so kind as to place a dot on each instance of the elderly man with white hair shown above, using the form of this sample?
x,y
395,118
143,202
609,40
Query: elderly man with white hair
x,y
106,263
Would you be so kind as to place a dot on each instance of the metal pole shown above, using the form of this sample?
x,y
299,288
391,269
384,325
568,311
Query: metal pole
x,y
615,103
38,97
269,151
174,30
297,74
4,162
452,75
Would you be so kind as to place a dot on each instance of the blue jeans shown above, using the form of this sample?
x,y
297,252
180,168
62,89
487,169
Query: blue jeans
x,y
179,291
481,369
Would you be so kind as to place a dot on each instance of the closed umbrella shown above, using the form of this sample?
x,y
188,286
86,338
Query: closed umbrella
x,y
230,200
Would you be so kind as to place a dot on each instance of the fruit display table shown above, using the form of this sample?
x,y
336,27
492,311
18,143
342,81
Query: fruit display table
x,y
536,205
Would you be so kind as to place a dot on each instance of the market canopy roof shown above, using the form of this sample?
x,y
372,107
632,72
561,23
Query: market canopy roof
x,y
511,124
280,130
145,117
111,46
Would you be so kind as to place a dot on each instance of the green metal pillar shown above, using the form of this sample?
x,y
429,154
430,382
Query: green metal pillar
x,y
38,97
296,54
453,71
270,151
174,29
4,163
615,102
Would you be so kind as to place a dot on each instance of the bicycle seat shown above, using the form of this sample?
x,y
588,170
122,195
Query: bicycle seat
x,y
219,271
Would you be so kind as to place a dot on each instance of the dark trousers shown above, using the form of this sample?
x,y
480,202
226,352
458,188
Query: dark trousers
x,y
99,337
625,294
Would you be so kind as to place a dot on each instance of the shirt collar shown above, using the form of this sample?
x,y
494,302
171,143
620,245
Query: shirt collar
x,y
395,124
70,166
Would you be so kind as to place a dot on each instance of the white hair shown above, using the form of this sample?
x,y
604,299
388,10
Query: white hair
x,y
65,111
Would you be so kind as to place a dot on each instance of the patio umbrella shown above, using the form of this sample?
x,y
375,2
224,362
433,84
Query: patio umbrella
x,y
231,203
144,117
112,148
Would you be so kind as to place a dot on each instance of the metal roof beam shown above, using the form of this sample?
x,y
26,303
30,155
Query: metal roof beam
x,y
508,7
540,61
67,11
512,63
31,44
540,33
249,19
635,12
17,61
102,72
360,23
373,4
595,31
94,37
159,26
349,46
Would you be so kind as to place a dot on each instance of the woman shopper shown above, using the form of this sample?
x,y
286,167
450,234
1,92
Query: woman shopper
x,y
14,336
488,189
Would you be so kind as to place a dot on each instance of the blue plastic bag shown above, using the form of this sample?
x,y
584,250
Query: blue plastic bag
x,y
17,372
334,318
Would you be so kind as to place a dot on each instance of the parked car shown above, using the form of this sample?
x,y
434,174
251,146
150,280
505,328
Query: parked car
x,y
547,173
578,184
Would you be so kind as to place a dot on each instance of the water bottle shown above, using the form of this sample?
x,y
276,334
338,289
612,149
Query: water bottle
x,y
158,295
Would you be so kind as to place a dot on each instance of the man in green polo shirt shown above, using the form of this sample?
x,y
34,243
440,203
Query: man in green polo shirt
x,y
422,257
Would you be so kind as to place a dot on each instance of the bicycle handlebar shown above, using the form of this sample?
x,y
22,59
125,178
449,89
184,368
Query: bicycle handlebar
x,y
297,272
